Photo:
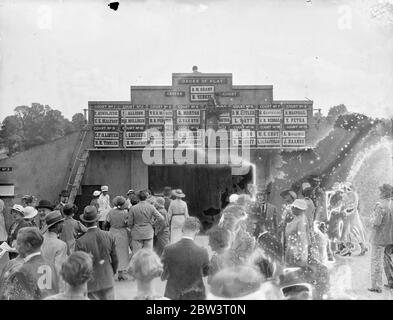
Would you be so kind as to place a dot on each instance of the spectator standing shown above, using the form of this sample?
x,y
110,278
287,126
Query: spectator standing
x,y
53,249
104,205
167,196
117,224
140,221
381,235
43,207
297,236
185,264
94,200
178,213
145,266
72,229
18,214
64,196
101,245
36,278
161,229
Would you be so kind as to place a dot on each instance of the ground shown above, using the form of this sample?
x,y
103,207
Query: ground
x,y
350,279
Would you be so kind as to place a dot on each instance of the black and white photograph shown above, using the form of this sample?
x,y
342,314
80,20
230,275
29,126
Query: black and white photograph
x,y
207,150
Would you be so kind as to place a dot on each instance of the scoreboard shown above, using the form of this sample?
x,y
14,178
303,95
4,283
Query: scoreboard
x,y
282,125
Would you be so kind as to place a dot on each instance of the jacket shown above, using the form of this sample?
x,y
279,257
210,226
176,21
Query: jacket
x,y
185,264
101,244
268,218
54,250
382,224
140,220
15,227
35,279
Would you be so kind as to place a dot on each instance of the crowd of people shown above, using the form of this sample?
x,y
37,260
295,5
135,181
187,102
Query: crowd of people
x,y
258,250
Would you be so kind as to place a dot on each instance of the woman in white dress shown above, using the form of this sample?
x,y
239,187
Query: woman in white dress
x,y
178,212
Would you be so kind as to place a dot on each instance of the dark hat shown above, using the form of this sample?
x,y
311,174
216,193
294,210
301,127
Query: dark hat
x,y
28,198
288,192
64,193
90,214
386,190
44,204
52,218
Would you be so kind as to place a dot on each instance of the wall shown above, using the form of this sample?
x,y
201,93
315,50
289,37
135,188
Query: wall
x,y
42,170
120,170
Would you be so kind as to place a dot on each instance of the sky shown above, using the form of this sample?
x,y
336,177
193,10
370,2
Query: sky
x,y
65,53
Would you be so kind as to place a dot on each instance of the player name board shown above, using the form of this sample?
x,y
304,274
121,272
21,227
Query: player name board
x,y
282,125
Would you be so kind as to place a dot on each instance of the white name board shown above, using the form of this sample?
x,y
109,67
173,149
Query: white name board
x,y
188,113
243,120
300,134
106,113
139,121
295,113
295,120
269,142
269,120
106,143
188,120
294,141
161,113
133,113
270,113
106,135
113,121
202,89
268,134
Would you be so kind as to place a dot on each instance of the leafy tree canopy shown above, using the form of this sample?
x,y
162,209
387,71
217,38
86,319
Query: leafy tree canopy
x,y
34,125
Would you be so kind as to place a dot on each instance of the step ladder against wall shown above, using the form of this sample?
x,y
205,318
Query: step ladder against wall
x,y
78,167
79,176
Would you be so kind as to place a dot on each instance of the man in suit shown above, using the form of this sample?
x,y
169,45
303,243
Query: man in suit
x,y
140,221
267,214
54,249
101,244
35,278
185,263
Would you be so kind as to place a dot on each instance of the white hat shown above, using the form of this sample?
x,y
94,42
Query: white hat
x,y
96,193
104,188
18,208
30,212
300,204
233,198
305,185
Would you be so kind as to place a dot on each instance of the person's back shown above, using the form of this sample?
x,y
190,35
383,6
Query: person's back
x,y
140,220
35,279
186,263
101,245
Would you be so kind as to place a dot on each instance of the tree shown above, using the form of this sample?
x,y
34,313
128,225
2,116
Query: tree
x,y
78,121
338,110
31,126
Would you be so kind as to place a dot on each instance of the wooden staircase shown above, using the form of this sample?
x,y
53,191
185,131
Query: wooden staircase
x,y
78,168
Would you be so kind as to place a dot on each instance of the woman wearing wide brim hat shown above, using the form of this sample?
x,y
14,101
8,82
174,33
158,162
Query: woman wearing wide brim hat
x,y
116,222
17,212
30,213
178,212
